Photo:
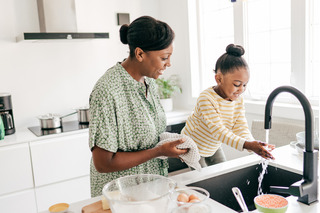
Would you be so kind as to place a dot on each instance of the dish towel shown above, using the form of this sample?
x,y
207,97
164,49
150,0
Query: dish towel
x,y
192,157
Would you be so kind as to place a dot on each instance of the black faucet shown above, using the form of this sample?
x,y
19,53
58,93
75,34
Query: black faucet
x,y
307,188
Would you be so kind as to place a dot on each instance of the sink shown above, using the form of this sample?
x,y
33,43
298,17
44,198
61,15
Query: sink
x,y
246,179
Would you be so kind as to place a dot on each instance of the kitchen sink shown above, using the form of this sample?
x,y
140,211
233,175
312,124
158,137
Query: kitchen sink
x,y
246,179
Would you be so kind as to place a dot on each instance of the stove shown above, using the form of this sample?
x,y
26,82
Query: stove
x,y
67,126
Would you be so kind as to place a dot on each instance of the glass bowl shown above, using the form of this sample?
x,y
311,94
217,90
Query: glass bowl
x,y
193,195
139,193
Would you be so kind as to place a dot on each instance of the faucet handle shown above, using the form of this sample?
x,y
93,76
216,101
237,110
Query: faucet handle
x,y
294,189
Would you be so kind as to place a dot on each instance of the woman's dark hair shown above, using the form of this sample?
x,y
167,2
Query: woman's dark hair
x,y
147,33
231,59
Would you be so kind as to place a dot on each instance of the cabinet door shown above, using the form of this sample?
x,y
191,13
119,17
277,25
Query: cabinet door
x,y
64,192
19,202
60,158
15,168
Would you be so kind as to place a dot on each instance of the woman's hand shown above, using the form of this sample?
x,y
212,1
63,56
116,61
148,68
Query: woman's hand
x,y
170,149
260,148
105,161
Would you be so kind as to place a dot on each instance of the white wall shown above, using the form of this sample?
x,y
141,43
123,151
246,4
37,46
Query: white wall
x,y
175,13
57,76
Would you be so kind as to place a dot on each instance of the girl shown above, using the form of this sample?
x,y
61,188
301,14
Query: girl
x,y
219,115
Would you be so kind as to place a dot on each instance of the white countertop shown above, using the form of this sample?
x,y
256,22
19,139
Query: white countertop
x,y
177,116
286,158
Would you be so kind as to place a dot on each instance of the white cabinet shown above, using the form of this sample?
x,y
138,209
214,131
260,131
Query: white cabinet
x,y
61,168
60,159
64,192
15,168
35,175
18,202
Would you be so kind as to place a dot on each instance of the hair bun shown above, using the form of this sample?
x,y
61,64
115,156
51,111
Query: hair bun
x,y
123,33
235,50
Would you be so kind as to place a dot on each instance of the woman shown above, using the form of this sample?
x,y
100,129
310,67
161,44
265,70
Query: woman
x,y
219,115
125,110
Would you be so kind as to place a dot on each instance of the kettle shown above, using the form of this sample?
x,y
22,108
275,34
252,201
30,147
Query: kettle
x,y
2,132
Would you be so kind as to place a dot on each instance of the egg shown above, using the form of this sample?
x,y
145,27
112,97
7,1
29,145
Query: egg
x,y
196,200
192,197
183,197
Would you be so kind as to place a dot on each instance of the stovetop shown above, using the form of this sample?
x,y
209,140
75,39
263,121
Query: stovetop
x,y
67,126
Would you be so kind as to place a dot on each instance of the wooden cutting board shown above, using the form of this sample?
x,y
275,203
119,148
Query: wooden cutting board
x,y
94,208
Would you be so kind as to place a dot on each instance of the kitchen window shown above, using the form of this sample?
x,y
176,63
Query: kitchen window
x,y
281,39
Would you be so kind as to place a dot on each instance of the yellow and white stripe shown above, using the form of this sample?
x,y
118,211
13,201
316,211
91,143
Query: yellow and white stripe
x,y
215,121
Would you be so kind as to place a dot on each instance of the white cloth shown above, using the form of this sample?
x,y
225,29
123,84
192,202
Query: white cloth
x,y
192,157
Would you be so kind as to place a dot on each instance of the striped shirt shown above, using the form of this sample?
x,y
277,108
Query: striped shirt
x,y
215,121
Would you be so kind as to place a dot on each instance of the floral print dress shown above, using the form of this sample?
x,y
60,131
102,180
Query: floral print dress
x,y
124,119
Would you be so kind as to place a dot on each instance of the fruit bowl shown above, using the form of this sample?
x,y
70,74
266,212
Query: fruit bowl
x,y
271,203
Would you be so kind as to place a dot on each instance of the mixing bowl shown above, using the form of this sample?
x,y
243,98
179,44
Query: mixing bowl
x,y
145,193
271,203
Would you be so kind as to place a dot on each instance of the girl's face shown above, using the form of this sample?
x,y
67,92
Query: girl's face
x,y
232,84
155,62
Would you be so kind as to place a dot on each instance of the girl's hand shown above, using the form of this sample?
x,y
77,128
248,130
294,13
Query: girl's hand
x,y
260,148
170,149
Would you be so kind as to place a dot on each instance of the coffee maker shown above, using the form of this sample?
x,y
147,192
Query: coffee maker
x,y
6,113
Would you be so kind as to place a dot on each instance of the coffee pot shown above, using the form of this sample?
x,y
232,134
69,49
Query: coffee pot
x,y
6,113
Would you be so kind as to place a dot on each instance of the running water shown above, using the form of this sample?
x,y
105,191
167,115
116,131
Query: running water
x,y
267,135
264,164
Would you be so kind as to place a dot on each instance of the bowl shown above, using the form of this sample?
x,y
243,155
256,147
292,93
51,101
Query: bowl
x,y
59,208
300,136
190,199
189,195
139,193
297,146
271,203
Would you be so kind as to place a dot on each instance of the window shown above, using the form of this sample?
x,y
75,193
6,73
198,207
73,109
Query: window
x,y
213,39
315,44
268,45
281,48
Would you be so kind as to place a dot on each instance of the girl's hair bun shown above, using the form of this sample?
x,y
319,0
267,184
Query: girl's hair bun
x,y
235,50
124,33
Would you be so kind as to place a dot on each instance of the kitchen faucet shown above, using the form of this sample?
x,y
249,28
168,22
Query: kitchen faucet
x,y
307,188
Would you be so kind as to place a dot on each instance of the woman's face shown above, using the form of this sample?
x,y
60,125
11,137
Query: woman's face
x,y
232,84
155,62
